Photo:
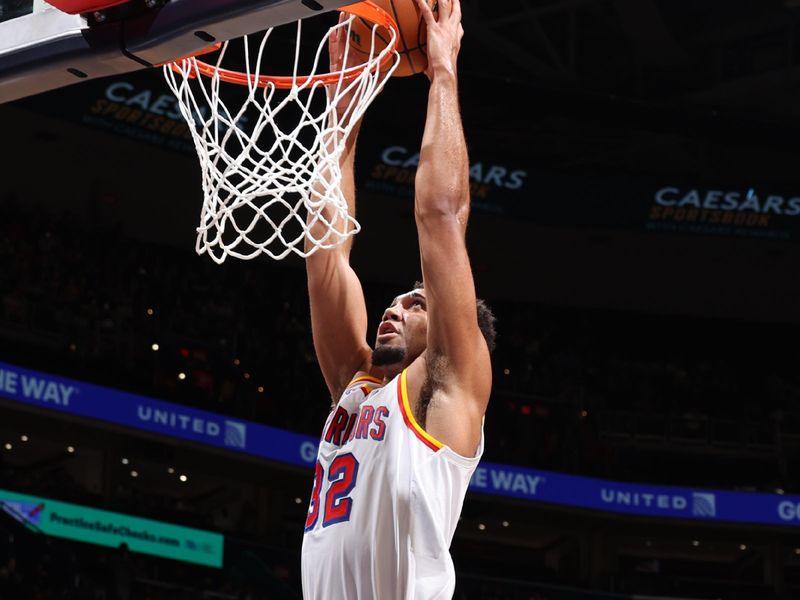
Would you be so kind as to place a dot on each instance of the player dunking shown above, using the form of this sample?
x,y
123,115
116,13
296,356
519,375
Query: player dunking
x,y
405,433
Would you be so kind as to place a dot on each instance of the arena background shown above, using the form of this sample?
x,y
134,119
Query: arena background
x,y
636,214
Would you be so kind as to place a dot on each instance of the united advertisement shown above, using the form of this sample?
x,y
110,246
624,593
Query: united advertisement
x,y
155,416
178,422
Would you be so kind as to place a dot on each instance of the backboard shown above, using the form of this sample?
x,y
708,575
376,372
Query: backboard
x,y
43,48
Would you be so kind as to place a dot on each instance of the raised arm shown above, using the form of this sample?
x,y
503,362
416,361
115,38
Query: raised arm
x,y
338,309
457,362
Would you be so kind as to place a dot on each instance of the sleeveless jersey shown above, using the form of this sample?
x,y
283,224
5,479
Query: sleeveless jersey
x,y
385,503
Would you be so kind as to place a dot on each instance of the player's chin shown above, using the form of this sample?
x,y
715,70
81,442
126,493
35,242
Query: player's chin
x,y
388,354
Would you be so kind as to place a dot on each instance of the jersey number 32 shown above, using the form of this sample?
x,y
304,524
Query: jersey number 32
x,y
342,478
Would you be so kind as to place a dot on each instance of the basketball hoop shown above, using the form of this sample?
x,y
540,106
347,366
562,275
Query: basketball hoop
x,y
270,163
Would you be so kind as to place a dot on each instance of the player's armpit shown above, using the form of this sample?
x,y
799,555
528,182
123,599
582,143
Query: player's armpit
x,y
449,412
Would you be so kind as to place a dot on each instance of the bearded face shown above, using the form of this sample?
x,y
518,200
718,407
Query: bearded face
x,y
384,356
402,334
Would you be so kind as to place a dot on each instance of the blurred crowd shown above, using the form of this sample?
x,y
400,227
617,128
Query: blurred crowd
x,y
576,390
35,567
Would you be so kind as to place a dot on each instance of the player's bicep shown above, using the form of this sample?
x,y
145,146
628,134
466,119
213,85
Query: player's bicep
x,y
453,330
338,319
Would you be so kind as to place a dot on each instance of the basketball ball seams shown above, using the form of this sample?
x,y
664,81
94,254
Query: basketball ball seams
x,y
359,51
422,40
407,53
397,20
378,35
411,27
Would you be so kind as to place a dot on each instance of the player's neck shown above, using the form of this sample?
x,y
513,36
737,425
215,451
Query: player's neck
x,y
388,372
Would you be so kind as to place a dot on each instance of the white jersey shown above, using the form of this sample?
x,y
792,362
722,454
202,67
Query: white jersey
x,y
385,504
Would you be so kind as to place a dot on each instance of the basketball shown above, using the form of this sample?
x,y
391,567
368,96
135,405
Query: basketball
x,y
413,35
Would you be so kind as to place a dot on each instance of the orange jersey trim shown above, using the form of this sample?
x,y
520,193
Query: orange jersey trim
x,y
366,379
408,415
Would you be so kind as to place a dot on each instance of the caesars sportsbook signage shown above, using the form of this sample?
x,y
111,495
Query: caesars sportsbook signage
x,y
507,188
111,529
503,180
140,413
138,106
390,170
749,212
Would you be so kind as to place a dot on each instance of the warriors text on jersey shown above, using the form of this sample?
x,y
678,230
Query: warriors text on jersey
x,y
385,502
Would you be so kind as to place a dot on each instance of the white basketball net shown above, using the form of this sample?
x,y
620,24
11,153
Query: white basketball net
x,y
274,188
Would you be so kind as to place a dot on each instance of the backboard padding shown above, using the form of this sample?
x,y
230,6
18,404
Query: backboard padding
x,y
48,49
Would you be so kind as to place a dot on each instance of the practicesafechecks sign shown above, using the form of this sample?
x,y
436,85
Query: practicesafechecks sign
x,y
105,528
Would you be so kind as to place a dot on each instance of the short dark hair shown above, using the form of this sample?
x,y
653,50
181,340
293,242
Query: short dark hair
x,y
486,319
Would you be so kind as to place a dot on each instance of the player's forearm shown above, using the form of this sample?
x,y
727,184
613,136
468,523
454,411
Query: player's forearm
x,y
442,181
347,165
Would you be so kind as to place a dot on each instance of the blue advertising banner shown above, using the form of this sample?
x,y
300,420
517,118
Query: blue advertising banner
x,y
176,421
635,498
155,416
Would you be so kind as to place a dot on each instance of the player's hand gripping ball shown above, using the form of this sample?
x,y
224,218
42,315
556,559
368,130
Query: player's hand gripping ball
x,y
413,35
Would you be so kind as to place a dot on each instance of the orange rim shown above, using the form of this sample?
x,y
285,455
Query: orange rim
x,y
367,10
